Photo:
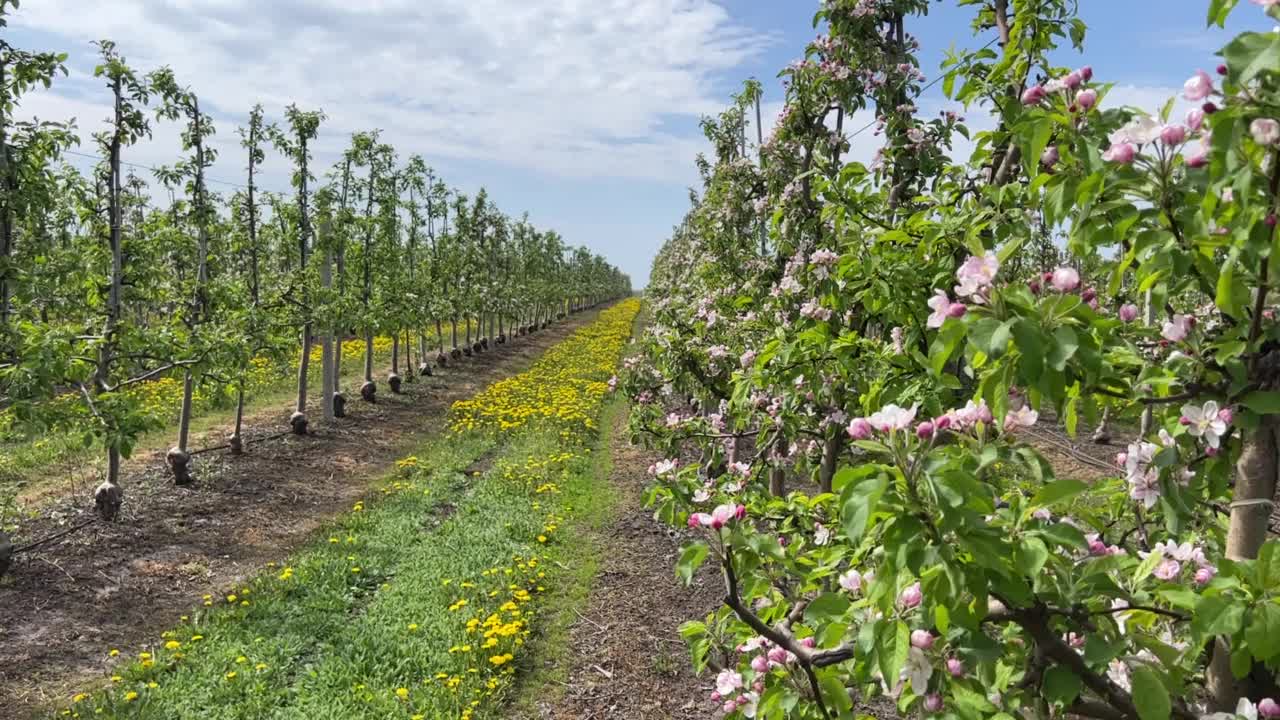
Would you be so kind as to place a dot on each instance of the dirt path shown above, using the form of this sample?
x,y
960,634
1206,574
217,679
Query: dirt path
x,y
627,660
63,607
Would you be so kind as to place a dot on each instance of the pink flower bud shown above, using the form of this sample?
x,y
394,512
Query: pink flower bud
x,y
1184,420
808,642
922,639
715,696
1204,575
760,664
1087,98
1088,295
984,414
1198,86
1173,134
1121,458
1049,157
1222,69
933,703
693,521
955,668
1128,312
1211,451
859,429
1268,708
1033,95
1209,108
956,310
942,422
1195,118
924,430
758,686
1086,72
1034,286
1073,79
740,512
730,706
1198,160
911,596
1270,220
1122,153
1226,415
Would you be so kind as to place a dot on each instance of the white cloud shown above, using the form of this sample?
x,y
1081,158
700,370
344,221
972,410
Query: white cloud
x,y
580,88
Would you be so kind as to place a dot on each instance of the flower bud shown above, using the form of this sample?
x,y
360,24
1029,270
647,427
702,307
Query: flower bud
x,y
1226,415
1209,108
859,429
922,639
1173,134
1049,157
1087,98
1128,312
1089,295
760,664
955,668
957,310
1033,95
1268,708
911,596
1073,79
1184,420
933,703
924,430
1222,69
1086,73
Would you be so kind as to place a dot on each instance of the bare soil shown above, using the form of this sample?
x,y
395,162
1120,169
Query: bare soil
x,y
64,605
627,659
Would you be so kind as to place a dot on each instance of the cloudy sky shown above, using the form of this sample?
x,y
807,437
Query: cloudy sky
x,y
582,112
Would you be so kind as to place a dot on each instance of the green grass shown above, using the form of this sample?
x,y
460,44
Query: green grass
x,y
578,557
478,538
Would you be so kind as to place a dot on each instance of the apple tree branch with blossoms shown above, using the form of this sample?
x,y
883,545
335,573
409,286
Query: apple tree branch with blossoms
x,y
845,360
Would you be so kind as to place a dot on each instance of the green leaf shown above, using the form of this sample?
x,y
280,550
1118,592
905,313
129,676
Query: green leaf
x,y
1263,402
858,502
1252,53
1231,294
1030,556
691,558
826,607
1216,615
1057,491
1150,695
1263,632
1064,347
1060,685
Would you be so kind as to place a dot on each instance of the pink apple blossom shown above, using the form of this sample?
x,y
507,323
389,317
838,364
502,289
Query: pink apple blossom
x,y
1176,329
955,668
1128,312
1204,575
1065,279
924,430
1194,119
859,429
891,418
1167,569
1033,95
1268,708
851,581
727,682
1023,417
976,275
1198,86
1205,421
1087,98
941,306
1265,131
1049,157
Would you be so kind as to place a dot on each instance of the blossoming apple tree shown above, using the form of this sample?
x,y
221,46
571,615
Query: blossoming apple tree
x,y
845,362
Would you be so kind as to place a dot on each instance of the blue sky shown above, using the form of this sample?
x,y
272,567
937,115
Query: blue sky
x,y
582,112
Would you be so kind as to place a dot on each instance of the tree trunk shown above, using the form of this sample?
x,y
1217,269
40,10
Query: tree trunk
x,y
327,376
1256,476
830,454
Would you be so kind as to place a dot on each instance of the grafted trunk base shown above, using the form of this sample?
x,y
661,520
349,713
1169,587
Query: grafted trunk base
x,y
179,463
369,391
236,444
107,500
339,405
456,354
467,351
393,382
424,369
298,422
502,339
442,360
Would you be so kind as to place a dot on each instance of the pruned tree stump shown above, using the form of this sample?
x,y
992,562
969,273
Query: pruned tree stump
x,y
369,391
456,354
502,339
236,444
442,360
484,343
424,369
466,351
179,462
394,381
6,553
339,405
107,500
298,421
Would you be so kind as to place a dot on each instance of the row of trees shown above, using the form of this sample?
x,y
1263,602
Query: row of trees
x,y
101,288
857,354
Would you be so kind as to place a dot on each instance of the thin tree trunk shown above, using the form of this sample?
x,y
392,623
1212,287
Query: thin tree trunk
x,y
108,497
